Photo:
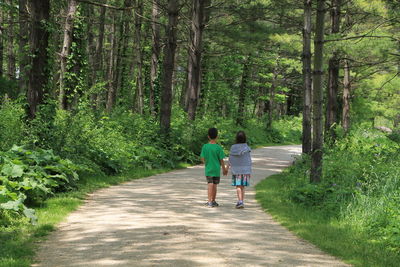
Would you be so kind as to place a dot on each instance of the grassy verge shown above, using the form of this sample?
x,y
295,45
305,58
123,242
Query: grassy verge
x,y
18,242
328,233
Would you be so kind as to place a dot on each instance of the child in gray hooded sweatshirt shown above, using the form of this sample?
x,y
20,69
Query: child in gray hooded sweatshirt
x,y
240,163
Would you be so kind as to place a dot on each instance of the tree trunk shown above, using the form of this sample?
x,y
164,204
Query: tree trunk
x,y
307,78
271,102
11,60
23,44
97,75
39,40
333,74
66,51
122,57
242,91
155,55
111,93
168,66
317,139
260,101
346,97
1,43
194,55
138,58
90,44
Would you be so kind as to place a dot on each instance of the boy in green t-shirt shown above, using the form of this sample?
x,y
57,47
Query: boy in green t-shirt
x,y
213,157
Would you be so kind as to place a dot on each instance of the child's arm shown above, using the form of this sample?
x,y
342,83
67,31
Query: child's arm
x,y
203,160
224,168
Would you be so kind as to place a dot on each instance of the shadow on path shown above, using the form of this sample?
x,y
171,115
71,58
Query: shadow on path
x,y
161,221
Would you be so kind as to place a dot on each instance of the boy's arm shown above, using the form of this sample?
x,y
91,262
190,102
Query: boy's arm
x,y
224,168
203,160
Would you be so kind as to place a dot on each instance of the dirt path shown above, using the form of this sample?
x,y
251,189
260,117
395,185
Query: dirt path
x,y
161,221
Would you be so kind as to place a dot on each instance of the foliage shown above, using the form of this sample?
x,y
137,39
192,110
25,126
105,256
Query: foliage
x,y
30,176
359,191
12,126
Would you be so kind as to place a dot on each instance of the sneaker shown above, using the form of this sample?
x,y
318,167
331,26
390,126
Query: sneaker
x,y
209,204
240,205
215,204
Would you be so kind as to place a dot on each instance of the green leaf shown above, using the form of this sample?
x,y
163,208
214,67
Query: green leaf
x,y
12,170
11,205
30,213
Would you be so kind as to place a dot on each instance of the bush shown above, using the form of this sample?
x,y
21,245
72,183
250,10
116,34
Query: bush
x,y
360,185
30,176
12,126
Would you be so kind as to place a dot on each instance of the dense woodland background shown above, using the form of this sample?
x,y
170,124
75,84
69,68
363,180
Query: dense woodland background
x,y
89,86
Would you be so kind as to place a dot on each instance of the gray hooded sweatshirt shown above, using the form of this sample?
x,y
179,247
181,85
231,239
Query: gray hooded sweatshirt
x,y
240,159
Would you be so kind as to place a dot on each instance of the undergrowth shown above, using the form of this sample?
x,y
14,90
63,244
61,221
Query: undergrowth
x,y
354,212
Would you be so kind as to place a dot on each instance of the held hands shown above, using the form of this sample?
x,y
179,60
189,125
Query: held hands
x,y
225,170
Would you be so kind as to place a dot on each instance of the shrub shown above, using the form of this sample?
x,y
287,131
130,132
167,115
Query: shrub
x,y
12,127
30,176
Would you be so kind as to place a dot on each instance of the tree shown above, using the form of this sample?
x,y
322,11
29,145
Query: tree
x,y
333,73
139,95
98,58
23,43
1,42
346,96
307,78
66,51
112,91
194,55
11,58
242,90
155,54
317,138
168,66
39,40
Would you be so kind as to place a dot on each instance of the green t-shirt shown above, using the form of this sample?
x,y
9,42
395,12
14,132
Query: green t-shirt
x,y
212,154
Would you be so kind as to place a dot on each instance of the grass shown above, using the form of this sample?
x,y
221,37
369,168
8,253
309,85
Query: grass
x,y
330,234
19,241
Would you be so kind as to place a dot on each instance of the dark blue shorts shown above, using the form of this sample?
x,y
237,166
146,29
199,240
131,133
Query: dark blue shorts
x,y
212,179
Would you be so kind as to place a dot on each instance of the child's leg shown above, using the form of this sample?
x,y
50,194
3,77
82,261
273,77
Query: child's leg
x,y
214,192
210,192
239,192
242,192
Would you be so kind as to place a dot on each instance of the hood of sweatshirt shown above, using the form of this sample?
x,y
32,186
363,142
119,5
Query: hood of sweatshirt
x,y
239,149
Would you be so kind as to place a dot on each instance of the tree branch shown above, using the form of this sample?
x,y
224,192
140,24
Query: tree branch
x,y
104,5
360,37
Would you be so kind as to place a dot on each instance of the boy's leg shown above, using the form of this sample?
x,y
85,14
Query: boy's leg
x,y
242,192
214,194
210,192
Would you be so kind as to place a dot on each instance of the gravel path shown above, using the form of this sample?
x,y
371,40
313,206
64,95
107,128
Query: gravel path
x,y
161,221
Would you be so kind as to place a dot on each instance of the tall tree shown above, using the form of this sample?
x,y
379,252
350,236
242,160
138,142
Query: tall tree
x,y
307,78
168,66
98,57
1,42
11,58
317,139
155,54
138,58
194,55
242,90
333,73
66,51
272,92
346,96
39,40
23,44
111,90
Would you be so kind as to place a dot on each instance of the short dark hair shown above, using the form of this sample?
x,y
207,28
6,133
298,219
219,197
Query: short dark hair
x,y
212,133
240,137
